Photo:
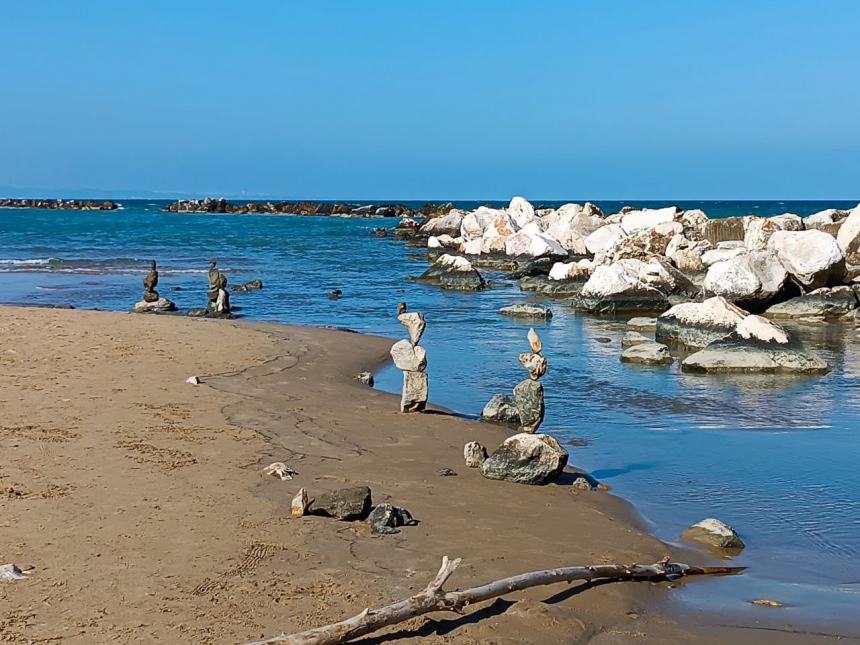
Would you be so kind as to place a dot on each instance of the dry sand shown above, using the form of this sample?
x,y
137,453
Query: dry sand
x,y
139,503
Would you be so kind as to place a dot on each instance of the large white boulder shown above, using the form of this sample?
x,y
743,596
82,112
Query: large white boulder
x,y
749,278
604,238
571,224
695,222
445,225
849,237
721,254
647,218
529,241
813,258
521,210
686,255
580,270
623,286
475,223
760,229
697,324
498,230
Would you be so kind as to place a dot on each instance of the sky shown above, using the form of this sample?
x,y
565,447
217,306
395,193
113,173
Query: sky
x,y
432,99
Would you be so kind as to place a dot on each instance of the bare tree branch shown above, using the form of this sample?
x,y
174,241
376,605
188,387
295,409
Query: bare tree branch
x,y
434,598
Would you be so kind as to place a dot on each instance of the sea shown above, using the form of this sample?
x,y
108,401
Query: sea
x,y
774,456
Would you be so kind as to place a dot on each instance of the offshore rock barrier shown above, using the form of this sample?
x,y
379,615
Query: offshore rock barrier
x,y
337,209
61,204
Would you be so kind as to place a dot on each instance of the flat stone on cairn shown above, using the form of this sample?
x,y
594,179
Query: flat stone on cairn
x,y
152,302
412,359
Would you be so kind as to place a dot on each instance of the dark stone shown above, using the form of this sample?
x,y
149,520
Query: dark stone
x,y
829,303
248,286
335,294
526,459
542,284
449,278
385,518
528,396
501,409
634,300
343,504
447,472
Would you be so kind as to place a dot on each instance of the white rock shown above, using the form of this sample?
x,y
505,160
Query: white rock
x,y
721,254
813,258
758,328
299,503
433,242
532,243
11,572
760,229
280,470
647,218
604,238
521,210
571,224
757,276
473,247
712,312
475,223
714,533
445,224
414,323
580,270
454,262
849,237
474,454
409,357
193,380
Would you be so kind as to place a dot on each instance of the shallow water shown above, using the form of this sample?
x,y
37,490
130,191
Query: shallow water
x,y
774,456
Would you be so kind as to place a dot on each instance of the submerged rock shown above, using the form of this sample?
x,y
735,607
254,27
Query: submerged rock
x,y
696,324
547,286
385,518
526,459
833,302
735,354
352,503
527,311
252,285
647,353
501,409
715,533
642,323
453,272
632,338
161,305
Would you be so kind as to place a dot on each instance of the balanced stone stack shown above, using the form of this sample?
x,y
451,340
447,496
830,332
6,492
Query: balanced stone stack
x,y
528,394
152,302
412,359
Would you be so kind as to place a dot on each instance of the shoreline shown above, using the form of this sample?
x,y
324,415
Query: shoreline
x,y
286,394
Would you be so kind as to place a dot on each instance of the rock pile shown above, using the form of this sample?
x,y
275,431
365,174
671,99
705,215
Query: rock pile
x,y
221,205
61,204
152,302
410,357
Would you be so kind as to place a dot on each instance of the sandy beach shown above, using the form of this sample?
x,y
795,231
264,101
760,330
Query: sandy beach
x,y
139,503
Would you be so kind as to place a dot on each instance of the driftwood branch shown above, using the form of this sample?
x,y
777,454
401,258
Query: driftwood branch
x,y
434,598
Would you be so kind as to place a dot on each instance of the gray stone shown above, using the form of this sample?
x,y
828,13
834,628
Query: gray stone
x,y
697,324
252,285
526,459
385,518
409,357
734,354
714,533
158,306
365,378
829,303
343,504
544,285
453,272
501,409
527,311
642,324
528,395
632,338
649,353
415,390
474,454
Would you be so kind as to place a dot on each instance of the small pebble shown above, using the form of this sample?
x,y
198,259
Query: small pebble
x,y
447,472
767,602
193,380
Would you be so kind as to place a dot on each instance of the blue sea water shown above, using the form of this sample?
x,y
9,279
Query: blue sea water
x,y
774,456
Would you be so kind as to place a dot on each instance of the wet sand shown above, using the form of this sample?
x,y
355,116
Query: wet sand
x,y
139,503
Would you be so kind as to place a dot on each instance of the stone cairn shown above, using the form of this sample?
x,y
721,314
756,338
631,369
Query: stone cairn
x,y
528,394
151,300
412,359
219,299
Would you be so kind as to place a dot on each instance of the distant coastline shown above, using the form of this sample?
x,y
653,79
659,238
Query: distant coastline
x,y
62,204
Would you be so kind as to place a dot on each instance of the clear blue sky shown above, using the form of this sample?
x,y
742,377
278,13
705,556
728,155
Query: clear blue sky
x,y
433,99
